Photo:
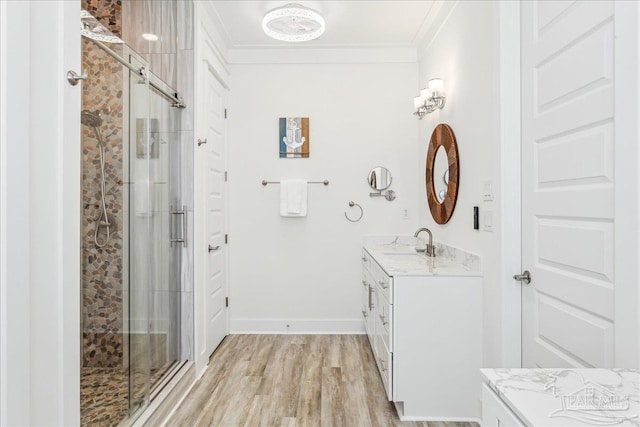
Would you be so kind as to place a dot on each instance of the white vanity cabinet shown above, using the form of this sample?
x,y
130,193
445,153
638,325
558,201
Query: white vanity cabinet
x,y
377,313
495,413
425,334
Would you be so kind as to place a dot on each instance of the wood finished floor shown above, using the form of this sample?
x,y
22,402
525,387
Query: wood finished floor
x,y
292,380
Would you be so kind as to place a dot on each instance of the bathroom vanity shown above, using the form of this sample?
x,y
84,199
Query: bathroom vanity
x,y
560,397
423,317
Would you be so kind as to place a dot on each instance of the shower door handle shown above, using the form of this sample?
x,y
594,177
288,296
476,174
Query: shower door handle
x,y
180,236
73,78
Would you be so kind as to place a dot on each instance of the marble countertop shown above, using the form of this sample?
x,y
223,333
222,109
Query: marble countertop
x,y
398,257
569,397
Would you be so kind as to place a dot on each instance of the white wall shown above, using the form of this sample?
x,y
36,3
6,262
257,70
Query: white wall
x,y
303,271
40,210
463,53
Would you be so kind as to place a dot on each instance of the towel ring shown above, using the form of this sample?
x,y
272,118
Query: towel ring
x,y
352,204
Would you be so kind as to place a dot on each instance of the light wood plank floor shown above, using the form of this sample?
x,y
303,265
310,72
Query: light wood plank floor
x,y
291,380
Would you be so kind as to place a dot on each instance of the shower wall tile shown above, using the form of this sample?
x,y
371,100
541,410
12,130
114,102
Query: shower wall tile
x,y
175,168
188,145
168,41
185,85
169,71
102,267
108,12
185,25
155,63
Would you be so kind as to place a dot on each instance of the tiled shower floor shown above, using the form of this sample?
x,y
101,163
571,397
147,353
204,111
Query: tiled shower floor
x,y
104,396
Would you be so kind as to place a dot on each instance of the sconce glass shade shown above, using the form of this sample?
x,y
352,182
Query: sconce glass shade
x,y
293,23
431,99
435,85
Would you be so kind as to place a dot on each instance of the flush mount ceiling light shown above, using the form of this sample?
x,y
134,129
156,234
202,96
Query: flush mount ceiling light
x,y
293,23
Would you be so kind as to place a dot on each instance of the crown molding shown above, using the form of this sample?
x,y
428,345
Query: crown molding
x,y
433,24
369,55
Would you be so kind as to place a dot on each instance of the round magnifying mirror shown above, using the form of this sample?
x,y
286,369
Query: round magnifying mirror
x,y
441,168
379,178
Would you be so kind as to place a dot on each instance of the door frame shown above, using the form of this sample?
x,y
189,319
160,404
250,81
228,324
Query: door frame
x,y
510,179
627,197
206,52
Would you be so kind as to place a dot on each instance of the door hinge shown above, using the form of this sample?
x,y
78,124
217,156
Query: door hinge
x,y
226,175
226,238
226,302
225,113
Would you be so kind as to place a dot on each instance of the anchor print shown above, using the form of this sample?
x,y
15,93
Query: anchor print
x,y
296,139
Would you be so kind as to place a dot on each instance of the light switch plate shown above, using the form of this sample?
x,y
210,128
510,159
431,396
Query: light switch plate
x,y
487,191
488,221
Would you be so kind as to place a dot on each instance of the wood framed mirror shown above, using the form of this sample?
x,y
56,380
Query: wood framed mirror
x,y
442,173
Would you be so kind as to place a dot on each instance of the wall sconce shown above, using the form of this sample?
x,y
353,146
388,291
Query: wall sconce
x,y
430,99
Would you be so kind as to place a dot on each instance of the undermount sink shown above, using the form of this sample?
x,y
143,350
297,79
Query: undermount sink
x,y
406,255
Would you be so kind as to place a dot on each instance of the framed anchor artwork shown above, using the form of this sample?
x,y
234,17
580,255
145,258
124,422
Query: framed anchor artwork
x,y
294,137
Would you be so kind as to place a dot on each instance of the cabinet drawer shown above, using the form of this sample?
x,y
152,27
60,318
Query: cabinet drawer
x,y
382,281
366,259
384,323
495,412
384,361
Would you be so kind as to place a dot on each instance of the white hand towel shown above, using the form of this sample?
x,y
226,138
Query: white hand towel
x,y
293,197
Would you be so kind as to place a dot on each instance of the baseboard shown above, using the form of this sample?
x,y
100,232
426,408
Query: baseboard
x,y
297,326
404,418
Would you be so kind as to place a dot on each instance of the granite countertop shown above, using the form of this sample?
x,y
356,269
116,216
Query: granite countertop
x,y
569,397
398,257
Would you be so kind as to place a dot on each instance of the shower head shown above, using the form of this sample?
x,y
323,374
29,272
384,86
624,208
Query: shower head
x,y
91,118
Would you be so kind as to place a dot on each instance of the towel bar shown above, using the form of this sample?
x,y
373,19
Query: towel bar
x,y
325,182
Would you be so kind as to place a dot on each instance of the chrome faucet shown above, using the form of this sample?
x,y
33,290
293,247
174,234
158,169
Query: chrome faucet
x,y
431,250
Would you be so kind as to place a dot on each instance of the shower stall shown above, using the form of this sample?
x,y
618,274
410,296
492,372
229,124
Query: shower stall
x,y
136,304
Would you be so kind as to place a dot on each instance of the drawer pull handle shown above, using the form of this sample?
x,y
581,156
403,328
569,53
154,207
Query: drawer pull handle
x,y
383,283
384,322
364,283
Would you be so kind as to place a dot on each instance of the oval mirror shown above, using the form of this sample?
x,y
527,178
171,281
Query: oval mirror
x,y
379,178
442,173
441,168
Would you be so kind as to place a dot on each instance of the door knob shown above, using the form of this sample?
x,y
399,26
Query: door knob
x,y
525,277
213,248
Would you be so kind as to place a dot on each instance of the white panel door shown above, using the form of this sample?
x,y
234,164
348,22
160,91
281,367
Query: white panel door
x,y
567,183
213,151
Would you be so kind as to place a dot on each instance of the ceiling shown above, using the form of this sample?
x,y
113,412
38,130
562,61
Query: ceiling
x,y
357,23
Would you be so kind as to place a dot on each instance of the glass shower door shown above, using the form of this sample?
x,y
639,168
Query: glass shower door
x,y
168,234
141,211
157,230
